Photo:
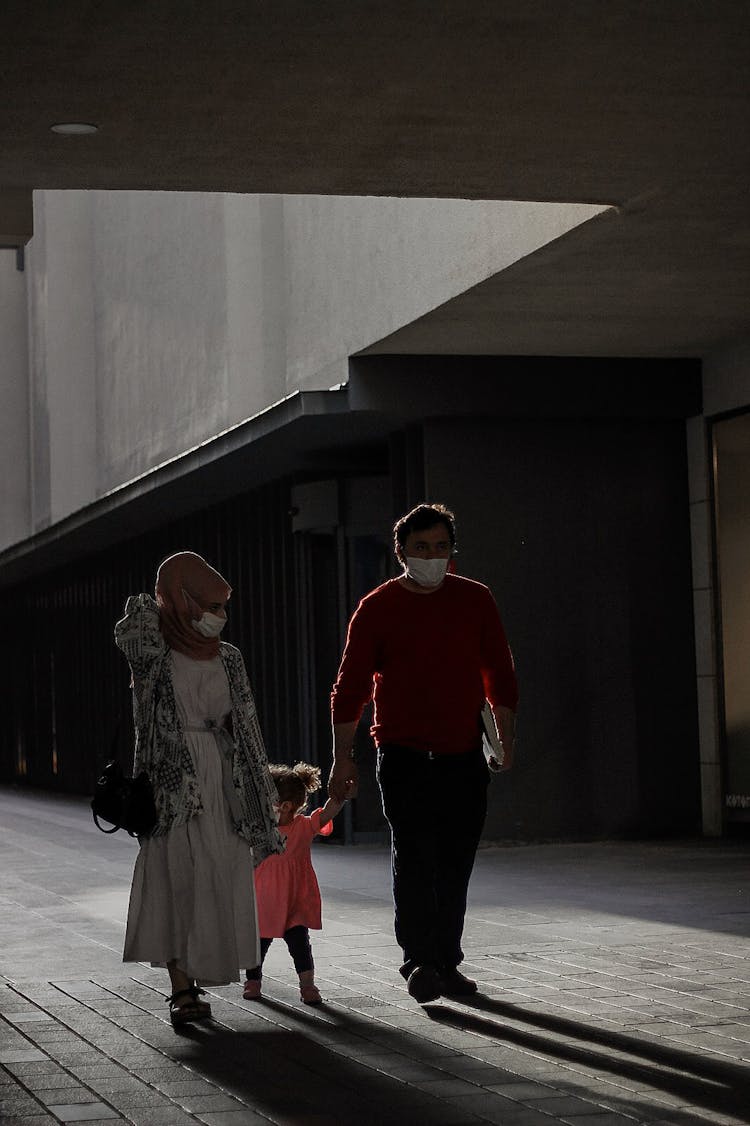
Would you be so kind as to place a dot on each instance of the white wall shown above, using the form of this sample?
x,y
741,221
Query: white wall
x,y
158,320
159,287
360,268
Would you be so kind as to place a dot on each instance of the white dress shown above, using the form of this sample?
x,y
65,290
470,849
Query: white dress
x,y
193,896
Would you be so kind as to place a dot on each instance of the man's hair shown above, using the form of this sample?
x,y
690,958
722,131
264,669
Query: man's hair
x,y
421,518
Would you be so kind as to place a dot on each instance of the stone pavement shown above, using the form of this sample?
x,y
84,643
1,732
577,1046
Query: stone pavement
x,y
615,990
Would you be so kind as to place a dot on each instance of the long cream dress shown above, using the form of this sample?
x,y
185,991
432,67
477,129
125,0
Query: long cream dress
x,y
193,895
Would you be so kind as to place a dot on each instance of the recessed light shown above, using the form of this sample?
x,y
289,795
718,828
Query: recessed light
x,y
74,128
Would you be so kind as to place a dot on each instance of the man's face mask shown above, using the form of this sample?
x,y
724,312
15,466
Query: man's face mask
x,y
426,572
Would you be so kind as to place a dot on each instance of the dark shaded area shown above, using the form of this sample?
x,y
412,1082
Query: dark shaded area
x,y
701,1080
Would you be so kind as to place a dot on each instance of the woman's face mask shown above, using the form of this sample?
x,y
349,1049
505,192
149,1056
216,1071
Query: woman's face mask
x,y
209,625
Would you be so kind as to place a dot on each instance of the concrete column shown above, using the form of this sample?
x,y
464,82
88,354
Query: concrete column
x,y
14,417
256,303
62,357
704,604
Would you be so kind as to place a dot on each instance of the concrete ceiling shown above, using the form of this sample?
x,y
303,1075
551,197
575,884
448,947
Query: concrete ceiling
x,y
641,105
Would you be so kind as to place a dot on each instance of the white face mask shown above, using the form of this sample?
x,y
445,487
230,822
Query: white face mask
x,y
426,572
209,625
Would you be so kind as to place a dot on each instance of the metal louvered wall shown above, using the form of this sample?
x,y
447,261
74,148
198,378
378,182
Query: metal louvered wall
x,y
69,695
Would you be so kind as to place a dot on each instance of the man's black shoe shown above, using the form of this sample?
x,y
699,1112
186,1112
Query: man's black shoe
x,y
424,984
455,984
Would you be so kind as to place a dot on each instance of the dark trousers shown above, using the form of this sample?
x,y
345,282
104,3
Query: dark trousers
x,y
435,807
297,940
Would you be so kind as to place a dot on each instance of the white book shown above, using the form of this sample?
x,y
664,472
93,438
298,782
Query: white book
x,y
491,742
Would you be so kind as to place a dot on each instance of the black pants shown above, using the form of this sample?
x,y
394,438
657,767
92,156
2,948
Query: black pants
x,y
436,808
297,940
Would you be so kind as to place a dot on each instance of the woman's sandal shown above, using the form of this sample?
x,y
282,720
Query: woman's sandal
x,y
203,1007
188,1011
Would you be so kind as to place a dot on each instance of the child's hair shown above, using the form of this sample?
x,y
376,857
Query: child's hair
x,y
294,783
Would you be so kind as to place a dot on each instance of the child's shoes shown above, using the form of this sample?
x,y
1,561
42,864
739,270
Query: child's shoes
x,y
308,991
251,992
310,994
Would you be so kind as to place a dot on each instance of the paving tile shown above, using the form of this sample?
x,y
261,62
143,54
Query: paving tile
x,y
560,1106
28,1018
201,1105
22,1055
610,1118
522,1092
82,1112
164,1116
445,1088
17,1103
100,1069
49,1082
69,1095
137,1099
234,1118
491,1107
28,1120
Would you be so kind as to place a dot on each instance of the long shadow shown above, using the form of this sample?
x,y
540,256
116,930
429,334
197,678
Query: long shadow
x,y
285,1072
336,1066
288,1076
701,1080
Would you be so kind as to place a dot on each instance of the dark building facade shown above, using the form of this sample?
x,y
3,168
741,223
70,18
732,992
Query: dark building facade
x,y
571,490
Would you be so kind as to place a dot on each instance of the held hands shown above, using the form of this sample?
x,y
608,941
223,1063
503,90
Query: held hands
x,y
334,805
343,781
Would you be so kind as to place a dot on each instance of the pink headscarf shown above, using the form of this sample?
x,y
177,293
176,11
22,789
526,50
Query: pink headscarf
x,y
188,574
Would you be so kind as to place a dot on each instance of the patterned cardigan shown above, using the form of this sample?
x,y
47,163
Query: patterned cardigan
x,y
160,746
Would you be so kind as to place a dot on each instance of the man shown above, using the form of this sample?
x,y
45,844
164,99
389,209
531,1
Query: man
x,y
428,647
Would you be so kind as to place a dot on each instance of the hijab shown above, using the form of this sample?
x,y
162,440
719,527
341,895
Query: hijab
x,y
181,574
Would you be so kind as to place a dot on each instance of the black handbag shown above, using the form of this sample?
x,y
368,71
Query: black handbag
x,y
126,803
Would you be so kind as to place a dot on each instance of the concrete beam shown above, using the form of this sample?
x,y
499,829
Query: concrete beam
x,y
16,216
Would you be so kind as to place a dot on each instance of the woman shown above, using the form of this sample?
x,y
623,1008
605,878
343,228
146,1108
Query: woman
x,y
197,736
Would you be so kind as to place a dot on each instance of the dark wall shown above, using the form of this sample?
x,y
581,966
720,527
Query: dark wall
x,y
69,696
580,528
582,531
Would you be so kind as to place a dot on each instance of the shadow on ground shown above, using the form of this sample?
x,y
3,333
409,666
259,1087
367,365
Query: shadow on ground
x,y
698,1079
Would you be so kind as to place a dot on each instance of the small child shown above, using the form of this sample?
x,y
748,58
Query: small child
x,y
286,888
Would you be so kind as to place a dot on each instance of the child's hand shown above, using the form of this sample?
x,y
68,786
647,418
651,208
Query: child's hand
x,y
333,806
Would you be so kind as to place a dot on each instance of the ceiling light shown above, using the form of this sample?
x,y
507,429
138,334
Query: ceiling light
x,y
74,128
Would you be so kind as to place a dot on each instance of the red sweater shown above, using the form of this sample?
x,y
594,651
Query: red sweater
x,y
428,661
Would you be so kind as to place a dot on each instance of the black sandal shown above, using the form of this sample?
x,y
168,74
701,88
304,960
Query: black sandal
x,y
187,1011
203,1007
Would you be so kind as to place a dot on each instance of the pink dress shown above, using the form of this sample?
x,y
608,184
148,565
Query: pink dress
x,y
286,887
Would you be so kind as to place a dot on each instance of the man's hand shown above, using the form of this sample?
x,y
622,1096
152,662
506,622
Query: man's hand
x,y
507,757
343,781
344,777
505,721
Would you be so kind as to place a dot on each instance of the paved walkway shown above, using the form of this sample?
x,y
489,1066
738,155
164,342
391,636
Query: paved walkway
x,y
615,990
